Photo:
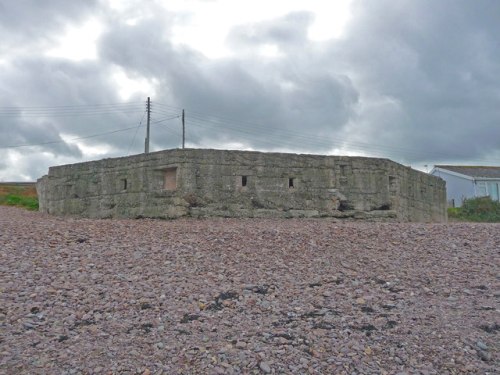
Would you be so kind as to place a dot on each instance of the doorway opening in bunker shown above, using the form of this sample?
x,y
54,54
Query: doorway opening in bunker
x,y
170,179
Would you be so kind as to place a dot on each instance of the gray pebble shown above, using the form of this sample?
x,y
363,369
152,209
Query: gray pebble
x,y
485,356
264,366
481,345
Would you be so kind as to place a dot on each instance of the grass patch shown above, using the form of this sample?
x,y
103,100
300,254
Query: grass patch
x,y
482,209
19,195
26,202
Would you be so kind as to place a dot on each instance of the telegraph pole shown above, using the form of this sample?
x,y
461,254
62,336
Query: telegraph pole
x,y
183,130
146,146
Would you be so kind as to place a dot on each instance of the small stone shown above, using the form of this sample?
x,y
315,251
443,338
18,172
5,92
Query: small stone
x,y
481,345
265,304
485,356
485,307
160,345
264,366
241,345
62,338
368,350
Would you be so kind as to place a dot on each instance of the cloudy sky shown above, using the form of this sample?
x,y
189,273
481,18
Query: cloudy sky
x,y
416,81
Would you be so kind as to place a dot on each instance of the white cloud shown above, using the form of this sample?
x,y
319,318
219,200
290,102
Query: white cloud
x,y
90,149
128,86
206,24
78,42
270,50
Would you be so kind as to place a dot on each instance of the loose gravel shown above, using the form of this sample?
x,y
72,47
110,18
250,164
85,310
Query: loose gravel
x,y
250,296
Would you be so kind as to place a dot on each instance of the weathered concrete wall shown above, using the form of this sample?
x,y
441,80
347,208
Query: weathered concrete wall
x,y
197,182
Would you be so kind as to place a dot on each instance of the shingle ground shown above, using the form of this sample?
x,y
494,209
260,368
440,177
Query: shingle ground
x,y
251,296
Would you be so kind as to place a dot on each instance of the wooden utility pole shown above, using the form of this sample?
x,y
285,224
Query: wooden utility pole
x,y
146,146
183,130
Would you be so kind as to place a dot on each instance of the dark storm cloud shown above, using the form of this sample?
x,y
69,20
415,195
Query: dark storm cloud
x,y
435,65
60,87
25,132
24,23
142,48
32,80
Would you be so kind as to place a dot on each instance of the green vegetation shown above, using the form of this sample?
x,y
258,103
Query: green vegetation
x,y
478,209
16,200
20,196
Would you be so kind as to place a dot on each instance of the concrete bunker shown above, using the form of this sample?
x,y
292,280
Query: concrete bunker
x,y
201,183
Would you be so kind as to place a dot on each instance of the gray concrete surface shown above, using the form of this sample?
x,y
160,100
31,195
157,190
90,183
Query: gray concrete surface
x,y
204,183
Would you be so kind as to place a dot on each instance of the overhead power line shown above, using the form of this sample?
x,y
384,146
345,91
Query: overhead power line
x,y
258,132
221,125
88,105
135,134
71,110
83,137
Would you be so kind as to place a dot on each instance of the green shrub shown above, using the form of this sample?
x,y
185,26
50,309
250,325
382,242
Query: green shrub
x,y
30,203
453,212
482,209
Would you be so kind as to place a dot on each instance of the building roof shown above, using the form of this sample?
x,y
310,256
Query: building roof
x,y
473,171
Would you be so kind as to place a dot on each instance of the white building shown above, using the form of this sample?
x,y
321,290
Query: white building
x,y
465,182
